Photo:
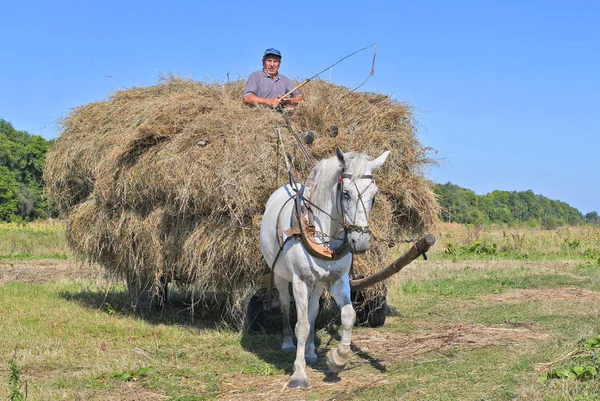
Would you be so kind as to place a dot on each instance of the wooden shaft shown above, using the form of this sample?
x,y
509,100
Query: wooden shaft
x,y
417,249
293,90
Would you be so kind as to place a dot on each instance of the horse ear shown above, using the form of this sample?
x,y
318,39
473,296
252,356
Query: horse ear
x,y
377,163
340,156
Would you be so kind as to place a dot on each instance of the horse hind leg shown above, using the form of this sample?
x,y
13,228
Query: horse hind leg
x,y
313,310
336,359
285,300
301,291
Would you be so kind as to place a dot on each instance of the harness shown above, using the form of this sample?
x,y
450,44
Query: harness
x,y
302,225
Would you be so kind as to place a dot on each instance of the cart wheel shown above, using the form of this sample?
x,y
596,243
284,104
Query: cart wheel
x,y
142,296
369,313
256,313
258,310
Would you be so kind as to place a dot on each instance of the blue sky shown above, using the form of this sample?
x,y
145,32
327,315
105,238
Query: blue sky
x,y
507,92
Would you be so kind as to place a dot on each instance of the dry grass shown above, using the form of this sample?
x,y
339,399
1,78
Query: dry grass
x,y
389,347
171,180
441,268
44,271
522,242
470,342
383,349
35,240
568,295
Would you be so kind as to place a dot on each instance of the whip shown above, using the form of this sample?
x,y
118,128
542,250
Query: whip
x,y
374,45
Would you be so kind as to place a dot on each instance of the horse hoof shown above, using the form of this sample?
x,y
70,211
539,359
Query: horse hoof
x,y
332,365
298,382
310,360
288,348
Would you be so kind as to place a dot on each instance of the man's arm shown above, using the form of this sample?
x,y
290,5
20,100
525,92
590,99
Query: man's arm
x,y
251,98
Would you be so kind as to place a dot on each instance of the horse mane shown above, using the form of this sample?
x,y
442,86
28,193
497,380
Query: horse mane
x,y
327,173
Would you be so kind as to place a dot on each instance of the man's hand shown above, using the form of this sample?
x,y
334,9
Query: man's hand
x,y
291,100
274,103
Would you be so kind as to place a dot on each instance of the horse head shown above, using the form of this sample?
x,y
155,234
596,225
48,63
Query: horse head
x,y
356,192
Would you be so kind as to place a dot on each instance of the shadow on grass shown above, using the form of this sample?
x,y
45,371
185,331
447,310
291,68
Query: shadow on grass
x,y
393,311
177,311
266,343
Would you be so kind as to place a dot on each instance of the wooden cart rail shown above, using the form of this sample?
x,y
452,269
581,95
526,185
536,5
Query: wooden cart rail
x,y
419,248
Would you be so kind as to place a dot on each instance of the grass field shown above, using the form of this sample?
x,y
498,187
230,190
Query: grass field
x,y
38,240
494,314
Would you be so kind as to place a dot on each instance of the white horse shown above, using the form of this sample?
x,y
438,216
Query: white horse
x,y
339,192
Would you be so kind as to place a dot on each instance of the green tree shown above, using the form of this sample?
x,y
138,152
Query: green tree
x,y
8,194
22,159
592,218
464,206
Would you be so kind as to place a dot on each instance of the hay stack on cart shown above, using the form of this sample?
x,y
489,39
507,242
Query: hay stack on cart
x,y
168,183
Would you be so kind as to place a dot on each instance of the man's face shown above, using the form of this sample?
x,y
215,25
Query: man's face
x,y
271,64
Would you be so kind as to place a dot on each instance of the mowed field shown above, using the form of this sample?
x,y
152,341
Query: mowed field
x,y
495,313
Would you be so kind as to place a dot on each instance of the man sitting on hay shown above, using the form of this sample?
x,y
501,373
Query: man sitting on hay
x,y
267,86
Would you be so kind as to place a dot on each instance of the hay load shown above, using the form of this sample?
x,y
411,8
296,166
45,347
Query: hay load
x,y
170,181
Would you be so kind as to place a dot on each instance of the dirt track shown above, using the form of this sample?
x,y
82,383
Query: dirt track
x,y
47,270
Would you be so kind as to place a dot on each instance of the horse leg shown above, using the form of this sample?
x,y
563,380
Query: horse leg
x,y
285,300
340,290
299,378
313,311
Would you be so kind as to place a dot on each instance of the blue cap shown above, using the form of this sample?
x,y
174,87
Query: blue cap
x,y
272,51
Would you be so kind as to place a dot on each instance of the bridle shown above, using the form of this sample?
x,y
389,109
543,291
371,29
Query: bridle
x,y
353,227
347,227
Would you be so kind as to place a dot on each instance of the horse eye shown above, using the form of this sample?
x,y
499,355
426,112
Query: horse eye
x,y
346,194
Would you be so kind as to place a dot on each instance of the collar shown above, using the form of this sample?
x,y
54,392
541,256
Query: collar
x,y
270,76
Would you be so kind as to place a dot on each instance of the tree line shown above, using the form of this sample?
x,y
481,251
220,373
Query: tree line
x,y
462,205
22,159
22,196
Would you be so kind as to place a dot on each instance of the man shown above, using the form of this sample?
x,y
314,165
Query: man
x,y
266,86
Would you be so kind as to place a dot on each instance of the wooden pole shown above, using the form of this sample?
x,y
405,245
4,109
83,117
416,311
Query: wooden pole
x,y
293,90
414,252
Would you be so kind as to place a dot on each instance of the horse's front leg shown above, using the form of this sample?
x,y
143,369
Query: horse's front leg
x,y
340,290
301,291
